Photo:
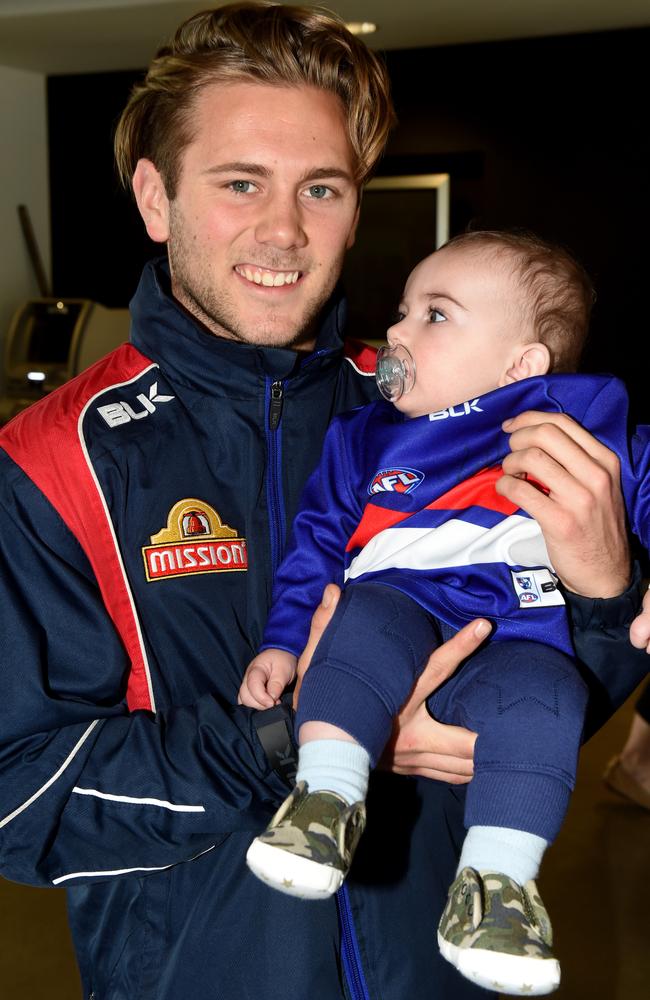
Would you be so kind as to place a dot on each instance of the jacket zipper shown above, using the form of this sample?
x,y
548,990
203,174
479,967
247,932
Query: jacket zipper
x,y
274,491
350,957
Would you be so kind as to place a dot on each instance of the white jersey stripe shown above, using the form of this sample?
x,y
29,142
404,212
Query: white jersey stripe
x,y
54,777
160,803
516,541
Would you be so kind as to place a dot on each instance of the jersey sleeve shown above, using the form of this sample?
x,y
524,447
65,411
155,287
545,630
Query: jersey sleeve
x,y
327,516
639,503
89,790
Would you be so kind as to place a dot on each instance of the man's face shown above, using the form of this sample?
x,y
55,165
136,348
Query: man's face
x,y
266,206
462,319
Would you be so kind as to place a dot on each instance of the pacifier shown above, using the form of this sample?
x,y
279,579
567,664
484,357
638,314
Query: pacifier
x,y
394,372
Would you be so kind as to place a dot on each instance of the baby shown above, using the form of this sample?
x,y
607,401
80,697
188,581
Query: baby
x,y
403,511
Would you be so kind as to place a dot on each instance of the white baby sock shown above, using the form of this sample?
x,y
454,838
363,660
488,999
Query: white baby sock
x,y
335,766
500,849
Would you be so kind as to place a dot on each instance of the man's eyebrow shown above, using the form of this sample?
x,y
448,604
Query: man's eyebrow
x,y
321,173
442,295
257,170
239,167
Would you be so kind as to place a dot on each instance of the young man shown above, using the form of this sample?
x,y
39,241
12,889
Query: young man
x,y
145,510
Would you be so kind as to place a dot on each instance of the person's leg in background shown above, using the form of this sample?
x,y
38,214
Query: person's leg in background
x,y
628,773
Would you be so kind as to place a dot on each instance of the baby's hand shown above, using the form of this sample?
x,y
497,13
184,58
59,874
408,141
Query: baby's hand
x,y
640,627
266,678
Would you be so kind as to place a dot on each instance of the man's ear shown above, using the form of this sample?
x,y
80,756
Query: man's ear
x,y
527,360
152,201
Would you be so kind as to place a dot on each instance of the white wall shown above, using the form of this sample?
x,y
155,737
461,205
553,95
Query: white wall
x,y
23,181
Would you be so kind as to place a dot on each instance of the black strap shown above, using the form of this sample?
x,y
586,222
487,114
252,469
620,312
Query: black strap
x,y
275,732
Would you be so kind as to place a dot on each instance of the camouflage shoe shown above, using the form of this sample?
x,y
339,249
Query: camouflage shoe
x,y
498,934
307,848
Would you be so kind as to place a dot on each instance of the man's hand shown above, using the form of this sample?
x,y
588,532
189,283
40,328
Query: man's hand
x,y
640,627
419,744
583,516
320,620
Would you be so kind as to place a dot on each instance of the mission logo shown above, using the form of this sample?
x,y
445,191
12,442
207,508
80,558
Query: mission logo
x,y
194,541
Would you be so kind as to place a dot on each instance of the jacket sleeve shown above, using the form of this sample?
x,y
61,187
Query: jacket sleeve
x,y
610,665
327,516
87,790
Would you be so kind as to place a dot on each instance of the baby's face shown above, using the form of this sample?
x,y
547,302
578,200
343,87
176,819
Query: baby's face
x,y
460,316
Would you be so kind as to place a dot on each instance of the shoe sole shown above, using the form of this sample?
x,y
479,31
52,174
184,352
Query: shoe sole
x,y
511,974
291,874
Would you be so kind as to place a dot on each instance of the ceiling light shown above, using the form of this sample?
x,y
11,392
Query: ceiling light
x,y
361,27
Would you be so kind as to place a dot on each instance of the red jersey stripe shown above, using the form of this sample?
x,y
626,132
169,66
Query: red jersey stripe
x,y
478,491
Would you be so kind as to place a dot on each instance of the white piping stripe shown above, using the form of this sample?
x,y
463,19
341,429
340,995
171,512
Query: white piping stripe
x,y
359,370
124,871
161,803
54,777
110,523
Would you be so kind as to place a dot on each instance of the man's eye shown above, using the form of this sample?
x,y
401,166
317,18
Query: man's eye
x,y
319,191
435,316
241,187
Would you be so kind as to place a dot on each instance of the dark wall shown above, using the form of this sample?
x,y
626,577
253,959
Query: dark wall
x,y
550,134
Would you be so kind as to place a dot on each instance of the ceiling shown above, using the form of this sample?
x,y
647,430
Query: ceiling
x,y
79,36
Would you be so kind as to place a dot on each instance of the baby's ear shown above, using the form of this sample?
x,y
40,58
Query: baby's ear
x,y
528,360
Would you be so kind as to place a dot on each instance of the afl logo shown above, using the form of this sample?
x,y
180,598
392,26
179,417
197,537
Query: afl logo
x,y
528,597
395,481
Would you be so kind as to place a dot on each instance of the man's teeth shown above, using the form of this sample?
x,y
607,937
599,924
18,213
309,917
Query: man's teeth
x,y
269,278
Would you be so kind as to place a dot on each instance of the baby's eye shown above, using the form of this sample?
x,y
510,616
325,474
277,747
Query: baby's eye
x,y
435,316
397,317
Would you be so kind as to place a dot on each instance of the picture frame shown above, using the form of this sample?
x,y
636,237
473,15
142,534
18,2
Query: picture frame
x,y
403,219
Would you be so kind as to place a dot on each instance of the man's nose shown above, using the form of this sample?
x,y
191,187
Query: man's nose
x,y
281,224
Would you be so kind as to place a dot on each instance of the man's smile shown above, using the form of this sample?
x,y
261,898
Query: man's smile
x,y
266,276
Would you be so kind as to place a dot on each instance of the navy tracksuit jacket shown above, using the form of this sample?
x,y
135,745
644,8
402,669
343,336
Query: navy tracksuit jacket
x,y
144,509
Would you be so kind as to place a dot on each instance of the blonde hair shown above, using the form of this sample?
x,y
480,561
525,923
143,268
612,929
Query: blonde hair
x,y
559,292
264,42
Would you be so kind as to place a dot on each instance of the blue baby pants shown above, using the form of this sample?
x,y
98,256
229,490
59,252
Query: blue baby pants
x,y
525,700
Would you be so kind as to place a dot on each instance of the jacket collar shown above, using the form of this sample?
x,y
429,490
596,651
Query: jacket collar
x,y
166,333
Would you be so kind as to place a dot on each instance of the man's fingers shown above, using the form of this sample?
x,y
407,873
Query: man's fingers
x,y
444,660
558,431
320,620
640,627
420,771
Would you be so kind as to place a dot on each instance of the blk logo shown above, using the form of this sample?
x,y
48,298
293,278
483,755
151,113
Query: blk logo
x,y
123,413
461,410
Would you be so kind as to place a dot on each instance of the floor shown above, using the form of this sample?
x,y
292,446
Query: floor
x,y
595,883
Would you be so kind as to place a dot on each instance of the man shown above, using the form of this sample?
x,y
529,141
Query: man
x,y
145,508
